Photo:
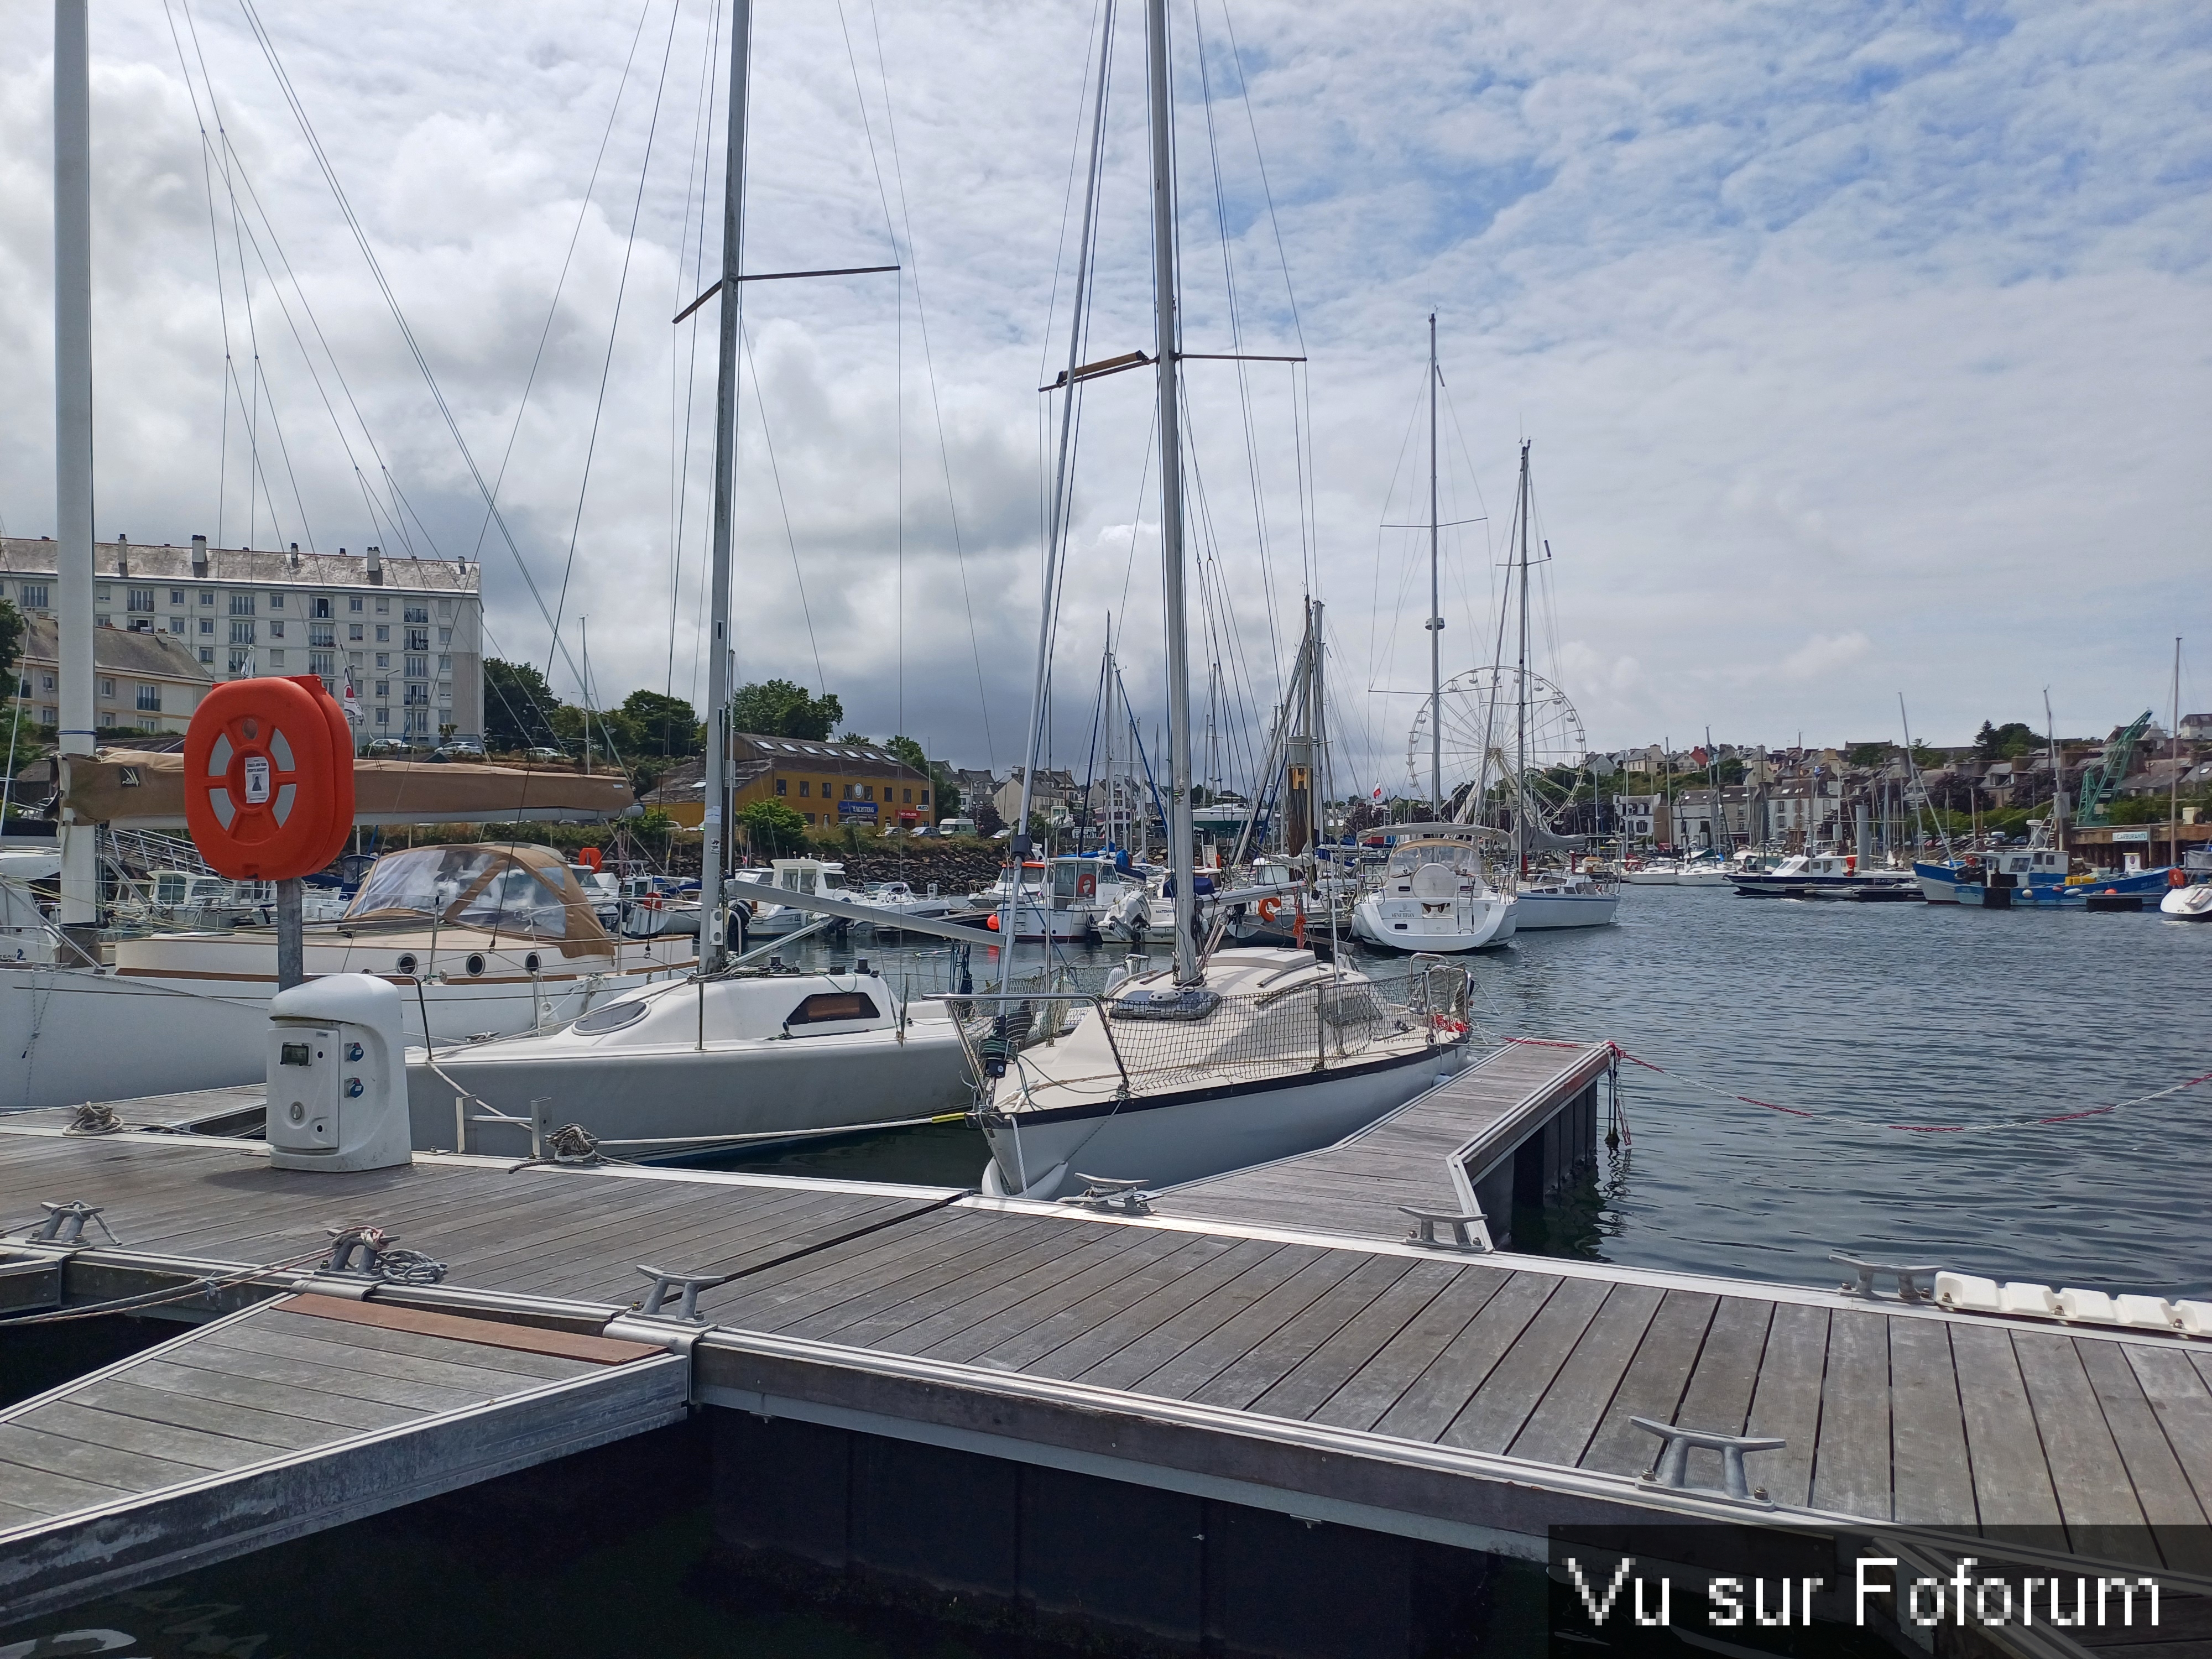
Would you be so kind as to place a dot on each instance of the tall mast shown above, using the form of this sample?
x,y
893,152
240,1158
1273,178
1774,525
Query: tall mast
x,y
80,883
2058,782
2173,748
1521,708
1170,424
1435,622
712,949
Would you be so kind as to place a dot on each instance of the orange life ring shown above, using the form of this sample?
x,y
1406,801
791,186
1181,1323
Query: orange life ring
x,y
2177,878
1270,908
268,778
1086,885
991,922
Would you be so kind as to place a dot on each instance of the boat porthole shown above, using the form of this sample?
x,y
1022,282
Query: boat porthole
x,y
530,963
475,964
406,962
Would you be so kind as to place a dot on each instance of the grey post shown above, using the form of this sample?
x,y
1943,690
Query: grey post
x,y
291,935
73,527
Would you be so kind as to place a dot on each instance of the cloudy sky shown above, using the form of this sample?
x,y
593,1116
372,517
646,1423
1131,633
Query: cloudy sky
x,y
1864,349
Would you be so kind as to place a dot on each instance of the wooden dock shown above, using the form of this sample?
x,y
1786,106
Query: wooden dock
x,y
1246,1342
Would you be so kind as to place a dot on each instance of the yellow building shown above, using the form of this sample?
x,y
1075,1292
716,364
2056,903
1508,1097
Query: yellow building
x,y
826,783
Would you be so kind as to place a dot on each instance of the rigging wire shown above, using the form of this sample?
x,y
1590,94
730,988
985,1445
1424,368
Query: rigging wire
x,y
798,576
697,169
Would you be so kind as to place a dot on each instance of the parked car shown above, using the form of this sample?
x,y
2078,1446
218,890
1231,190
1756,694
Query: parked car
x,y
384,746
540,752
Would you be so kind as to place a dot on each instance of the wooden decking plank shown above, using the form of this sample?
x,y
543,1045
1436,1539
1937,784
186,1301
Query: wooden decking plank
x,y
2175,1518
1050,1260
323,1342
2095,1498
526,1368
1335,1361
1654,1383
198,1450
46,1492
1381,1381
1033,1305
2181,1400
2012,1481
1234,1341
1112,1317
915,1283
1726,1374
80,1459
291,1371
1174,1320
341,1413
724,1240
277,1431
1253,1373
1850,1467
762,1300
1433,1398
1559,1428
1501,1403
1931,1476
1785,1401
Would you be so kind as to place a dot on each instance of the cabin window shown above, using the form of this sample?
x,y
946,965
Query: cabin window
x,y
825,1006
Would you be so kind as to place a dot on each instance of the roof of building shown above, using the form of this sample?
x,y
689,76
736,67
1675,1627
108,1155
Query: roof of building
x,y
248,567
810,754
120,651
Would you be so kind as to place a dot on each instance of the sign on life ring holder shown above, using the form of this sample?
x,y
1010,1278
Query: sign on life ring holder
x,y
268,778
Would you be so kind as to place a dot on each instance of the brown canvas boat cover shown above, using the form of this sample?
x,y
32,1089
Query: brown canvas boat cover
x,y
135,787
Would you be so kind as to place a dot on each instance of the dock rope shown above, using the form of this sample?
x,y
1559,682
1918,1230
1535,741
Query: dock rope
x,y
2024,1121
213,1282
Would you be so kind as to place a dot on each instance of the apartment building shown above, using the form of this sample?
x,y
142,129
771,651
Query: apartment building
x,y
407,632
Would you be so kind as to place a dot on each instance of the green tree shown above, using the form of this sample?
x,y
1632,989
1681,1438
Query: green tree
x,y
779,708
2007,742
772,827
665,725
947,795
520,708
12,627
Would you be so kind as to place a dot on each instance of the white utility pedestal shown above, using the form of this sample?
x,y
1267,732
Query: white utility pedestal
x,y
337,1075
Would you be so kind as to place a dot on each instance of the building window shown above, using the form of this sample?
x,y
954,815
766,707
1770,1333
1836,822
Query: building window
x,y
384,688
803,789
418,668
779,786
142,598
417,613
383,609
149,699
445,665
176,596
353,604
352,630
925,798
275,628
417,694
106,687
418,639
418,723
176,625
322,662
276,601
207,598
382,634
384,659
868,792
241,662
445,636
353,659
49,717
277,659
207,655
103,595
445,609
319,605
34,595
241,631
445,692
384,717
242,605
322,633
207,625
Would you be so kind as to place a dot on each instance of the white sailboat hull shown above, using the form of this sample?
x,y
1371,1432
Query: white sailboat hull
x,y
1470,925
1163,1140
1544,912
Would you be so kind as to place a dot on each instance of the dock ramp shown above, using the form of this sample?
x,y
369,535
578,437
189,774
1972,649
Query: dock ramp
x,y
302,1412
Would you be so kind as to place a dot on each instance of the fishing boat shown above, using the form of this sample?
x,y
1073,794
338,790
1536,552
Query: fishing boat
x,y
1220,1059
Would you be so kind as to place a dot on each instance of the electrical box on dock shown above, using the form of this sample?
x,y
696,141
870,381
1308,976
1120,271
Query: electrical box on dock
x,y
337,1075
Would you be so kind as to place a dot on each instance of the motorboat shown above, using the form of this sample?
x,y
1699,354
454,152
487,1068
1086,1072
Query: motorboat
x,y
1707,870
1825,875
1652,872
484,939
2190,903
1156,1082
898,898
1939,880
1433,898
700,1065
814,876
1552,899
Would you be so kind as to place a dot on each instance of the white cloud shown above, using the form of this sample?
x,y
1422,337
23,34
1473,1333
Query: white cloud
x,y
1866,321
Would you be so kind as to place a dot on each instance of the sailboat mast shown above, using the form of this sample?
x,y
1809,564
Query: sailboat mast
x,y
1435,622
2058,782
1170,424
712,946
1520,708
2173,786
79,882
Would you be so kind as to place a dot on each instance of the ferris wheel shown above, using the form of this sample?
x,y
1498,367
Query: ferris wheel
x,y
1483,734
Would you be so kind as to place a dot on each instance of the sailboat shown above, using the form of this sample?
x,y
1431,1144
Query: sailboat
x,y
1222,1059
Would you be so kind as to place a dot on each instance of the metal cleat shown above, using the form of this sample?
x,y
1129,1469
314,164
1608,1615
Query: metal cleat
x,y
1110,1196
64,1224
1909,1288
1469,1232
1669,1473
665,1283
